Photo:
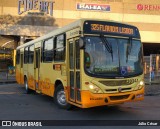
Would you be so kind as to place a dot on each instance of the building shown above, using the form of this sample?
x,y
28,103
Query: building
x,y
22,20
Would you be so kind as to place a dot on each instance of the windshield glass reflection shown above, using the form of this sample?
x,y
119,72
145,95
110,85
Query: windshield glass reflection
x,y
125,58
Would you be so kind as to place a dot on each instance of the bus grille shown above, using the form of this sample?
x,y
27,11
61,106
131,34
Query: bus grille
x,y
123,89
119,97
119,82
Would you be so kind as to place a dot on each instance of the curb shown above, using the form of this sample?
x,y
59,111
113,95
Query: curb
x,y
152,94
10,82
154,83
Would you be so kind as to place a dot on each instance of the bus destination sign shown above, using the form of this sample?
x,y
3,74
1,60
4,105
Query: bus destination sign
x,y
110,28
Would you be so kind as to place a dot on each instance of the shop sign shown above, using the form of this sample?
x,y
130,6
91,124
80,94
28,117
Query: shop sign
x,y
41,5
93,7
148,7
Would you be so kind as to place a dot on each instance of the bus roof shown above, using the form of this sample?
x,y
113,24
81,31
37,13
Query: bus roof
x,y
66,28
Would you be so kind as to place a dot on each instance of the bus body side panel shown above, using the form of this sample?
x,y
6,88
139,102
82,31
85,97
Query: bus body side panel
x,y
18,74
50,72
46,79
25,70
30,77
21,67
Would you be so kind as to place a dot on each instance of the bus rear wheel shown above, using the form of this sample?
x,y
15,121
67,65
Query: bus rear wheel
x,y
28,91
60,98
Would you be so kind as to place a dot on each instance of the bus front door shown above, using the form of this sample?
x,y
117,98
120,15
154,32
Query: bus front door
x,y
36,68
74,71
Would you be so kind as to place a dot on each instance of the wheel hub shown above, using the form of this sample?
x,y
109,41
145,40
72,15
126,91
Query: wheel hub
x,y
26,85
61,98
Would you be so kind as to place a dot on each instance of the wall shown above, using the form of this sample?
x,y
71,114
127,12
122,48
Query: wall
x,y
64,12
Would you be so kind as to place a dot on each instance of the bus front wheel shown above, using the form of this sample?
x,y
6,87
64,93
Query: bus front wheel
x,y
60,98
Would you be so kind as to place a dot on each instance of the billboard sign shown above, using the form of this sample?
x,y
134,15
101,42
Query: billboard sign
x,y
41,5
147,7
93,7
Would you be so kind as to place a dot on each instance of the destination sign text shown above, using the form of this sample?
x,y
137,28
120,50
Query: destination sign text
x,y
112,29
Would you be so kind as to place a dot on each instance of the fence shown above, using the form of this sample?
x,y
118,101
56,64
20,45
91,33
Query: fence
x,y
7,75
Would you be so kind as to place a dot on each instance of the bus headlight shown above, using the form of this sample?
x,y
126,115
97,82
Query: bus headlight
x,y
139,86
141,83
95,89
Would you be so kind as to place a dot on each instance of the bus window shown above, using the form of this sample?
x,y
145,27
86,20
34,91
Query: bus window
x,y
71,55
77,55
48,50
21,60
26,55
31,54
59,50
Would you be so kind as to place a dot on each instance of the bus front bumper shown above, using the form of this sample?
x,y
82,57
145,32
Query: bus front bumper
x,y
91,100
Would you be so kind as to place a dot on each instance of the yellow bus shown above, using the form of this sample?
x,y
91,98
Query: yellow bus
x,y
87,63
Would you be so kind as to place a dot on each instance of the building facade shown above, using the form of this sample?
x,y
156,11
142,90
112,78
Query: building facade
x,y
33,18
23,20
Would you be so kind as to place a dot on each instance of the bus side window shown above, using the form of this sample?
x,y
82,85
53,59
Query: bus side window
x,y
26,55
31,54
59,48
21,60
48,50
77,55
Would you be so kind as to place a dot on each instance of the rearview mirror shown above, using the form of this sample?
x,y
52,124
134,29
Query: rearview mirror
x,y
81,42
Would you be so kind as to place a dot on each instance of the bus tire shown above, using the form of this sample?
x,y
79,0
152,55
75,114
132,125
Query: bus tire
x,y
28,91
60,98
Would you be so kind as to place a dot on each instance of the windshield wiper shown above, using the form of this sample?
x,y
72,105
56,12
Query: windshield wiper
x,y
107,45
129,47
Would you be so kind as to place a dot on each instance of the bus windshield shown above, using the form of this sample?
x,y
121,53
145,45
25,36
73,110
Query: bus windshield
x,y
122,59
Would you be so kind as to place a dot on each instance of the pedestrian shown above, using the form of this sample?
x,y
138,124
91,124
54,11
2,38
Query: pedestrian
x,y
152,74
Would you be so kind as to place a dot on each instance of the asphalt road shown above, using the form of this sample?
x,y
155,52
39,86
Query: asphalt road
x,y
16,105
